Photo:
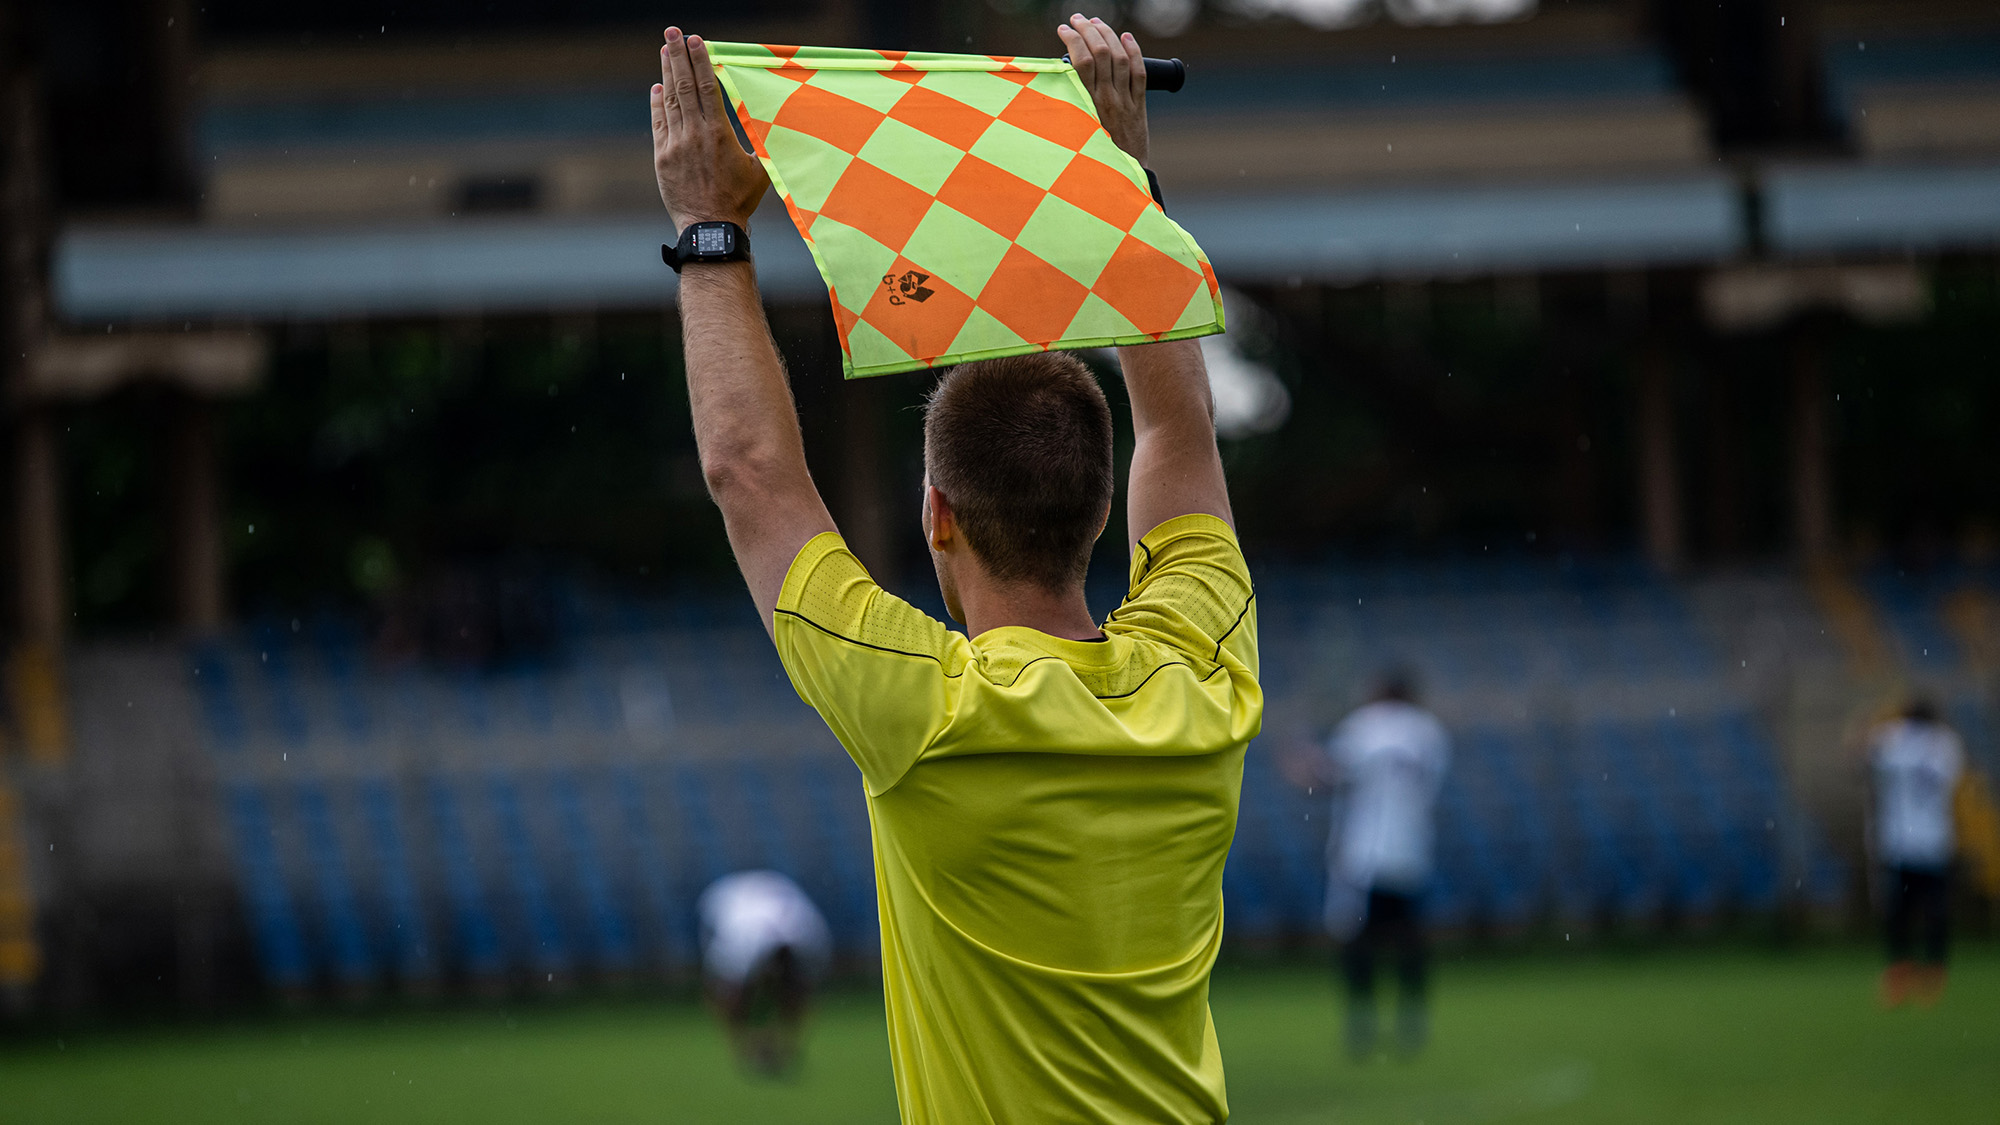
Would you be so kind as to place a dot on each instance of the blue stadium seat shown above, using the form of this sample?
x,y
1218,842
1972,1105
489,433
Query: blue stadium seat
x,y
274,921
548,947
479,951
611,936
406,931
350,953
834,792
663,895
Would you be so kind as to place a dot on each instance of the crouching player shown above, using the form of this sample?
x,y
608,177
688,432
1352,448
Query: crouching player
x,y
764,947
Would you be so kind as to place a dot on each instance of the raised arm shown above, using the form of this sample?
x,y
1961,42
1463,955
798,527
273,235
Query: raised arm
x,y
1176,469
745,424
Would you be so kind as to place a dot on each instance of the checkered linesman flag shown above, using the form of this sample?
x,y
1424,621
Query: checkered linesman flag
x,y
963,207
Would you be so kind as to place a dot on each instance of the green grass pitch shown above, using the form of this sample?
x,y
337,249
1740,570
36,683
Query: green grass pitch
x,y
1684,1037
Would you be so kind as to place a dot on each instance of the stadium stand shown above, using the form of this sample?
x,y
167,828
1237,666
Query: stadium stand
x,y
555,818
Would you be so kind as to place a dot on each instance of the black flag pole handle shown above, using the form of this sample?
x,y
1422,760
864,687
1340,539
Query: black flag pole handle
x,y
1166,74
1163,74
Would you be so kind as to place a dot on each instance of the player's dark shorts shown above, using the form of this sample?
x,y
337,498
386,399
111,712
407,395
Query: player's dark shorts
x,y
1918,918
1395,921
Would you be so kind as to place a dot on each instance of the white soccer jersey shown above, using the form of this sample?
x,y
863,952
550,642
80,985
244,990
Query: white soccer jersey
x,y
747,916
1917,767
1391,757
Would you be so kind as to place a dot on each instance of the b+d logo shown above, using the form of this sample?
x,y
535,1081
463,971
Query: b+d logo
x,y
907,286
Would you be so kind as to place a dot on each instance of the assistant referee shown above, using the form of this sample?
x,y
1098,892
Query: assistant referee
x,y
1051,799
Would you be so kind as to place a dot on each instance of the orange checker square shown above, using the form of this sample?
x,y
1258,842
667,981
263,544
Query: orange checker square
x,y
902,71
1033,298
991,196
841,122
919,312
1035,112
877,204
1146,286
1100,189
947,119
791,69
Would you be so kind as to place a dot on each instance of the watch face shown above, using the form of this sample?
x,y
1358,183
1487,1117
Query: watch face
x,y
711,240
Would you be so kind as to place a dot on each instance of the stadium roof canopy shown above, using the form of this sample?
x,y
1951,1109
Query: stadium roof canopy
x,y
1847,209
497,265
125,273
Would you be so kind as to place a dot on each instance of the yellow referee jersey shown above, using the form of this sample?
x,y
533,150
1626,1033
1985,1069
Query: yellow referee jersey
x,y
1050,820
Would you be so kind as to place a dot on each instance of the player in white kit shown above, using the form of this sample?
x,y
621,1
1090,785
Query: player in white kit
x,y
1387,762
1915,765
764,946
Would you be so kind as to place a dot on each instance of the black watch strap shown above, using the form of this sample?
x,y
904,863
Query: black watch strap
x,y
707,242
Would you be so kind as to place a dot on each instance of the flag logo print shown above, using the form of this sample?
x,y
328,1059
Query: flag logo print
x,y
964,207
907,287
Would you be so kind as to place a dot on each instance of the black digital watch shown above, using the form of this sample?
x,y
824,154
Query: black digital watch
x,y
707,242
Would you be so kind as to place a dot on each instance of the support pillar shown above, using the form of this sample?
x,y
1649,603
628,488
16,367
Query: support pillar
x,y
35,669
42,591
1661,511
194,487
1812,461
865,518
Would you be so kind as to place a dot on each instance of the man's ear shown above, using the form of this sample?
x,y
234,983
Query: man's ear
x,y
942,527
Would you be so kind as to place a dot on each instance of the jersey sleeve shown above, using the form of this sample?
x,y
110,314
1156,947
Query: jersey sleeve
x,y
882,673
1190,590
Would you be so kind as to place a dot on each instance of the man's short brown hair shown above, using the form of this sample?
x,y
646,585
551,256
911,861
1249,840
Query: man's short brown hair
x,y
1021,448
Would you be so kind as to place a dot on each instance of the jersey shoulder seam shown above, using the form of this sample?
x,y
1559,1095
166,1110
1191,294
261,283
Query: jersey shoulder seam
x,y
839,636
1240,614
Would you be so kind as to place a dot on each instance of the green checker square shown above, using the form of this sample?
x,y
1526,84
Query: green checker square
x,y
1070,239
811,166
987,93
1101,148
1034,159
869,87
764,91
1153,228
981,333
957,249
911,155
1059,85
1097,320
1201,311
853,261
868,347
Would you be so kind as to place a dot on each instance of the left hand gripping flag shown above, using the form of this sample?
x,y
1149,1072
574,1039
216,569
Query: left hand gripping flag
x,y
962,207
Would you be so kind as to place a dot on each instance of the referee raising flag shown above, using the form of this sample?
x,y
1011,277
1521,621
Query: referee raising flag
x,y
1051,798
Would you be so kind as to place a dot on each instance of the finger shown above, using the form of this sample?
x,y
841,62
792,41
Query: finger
x,y
1073,47
659,100
1108,58
707,88
1080,57
1095,44
670,103
682,91
1135,59
1114,54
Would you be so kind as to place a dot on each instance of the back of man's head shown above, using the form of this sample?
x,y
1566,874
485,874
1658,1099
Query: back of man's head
x,y
1021,449
1921,708
1395,684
